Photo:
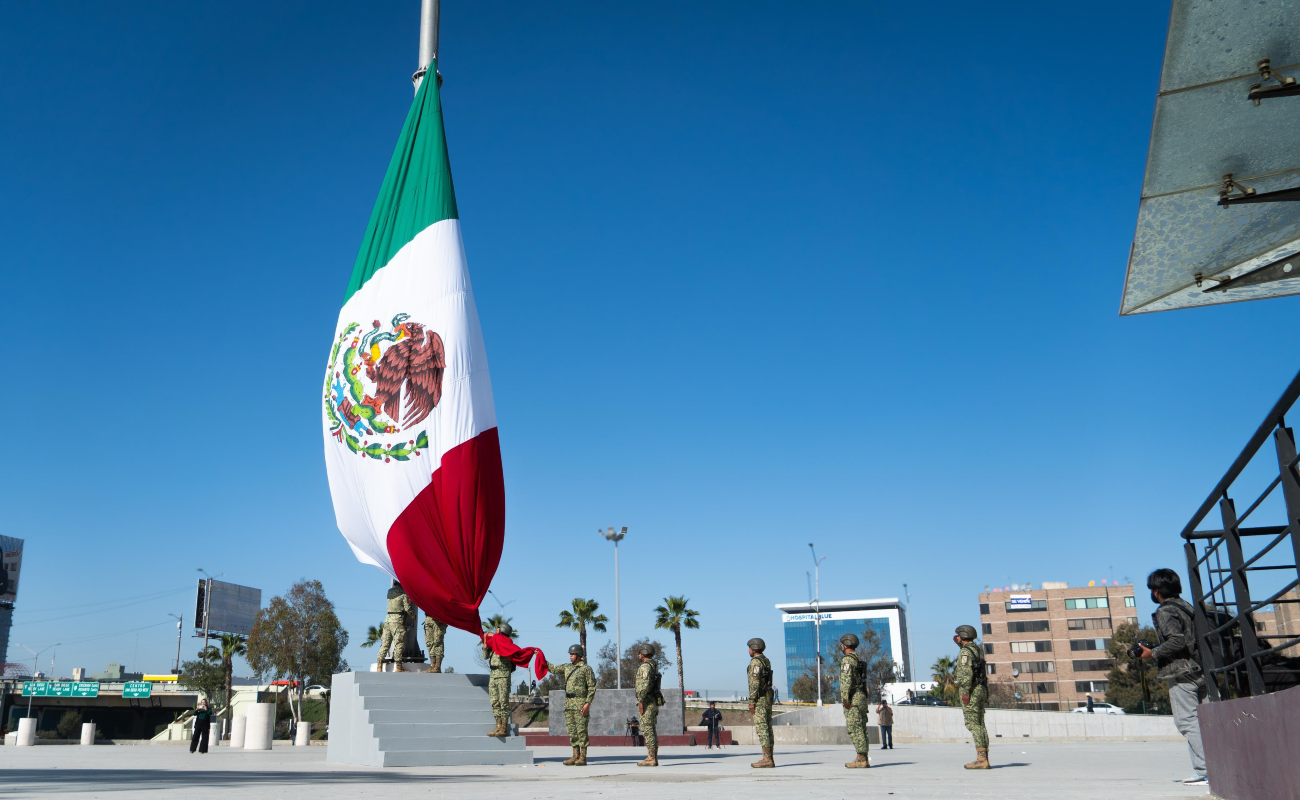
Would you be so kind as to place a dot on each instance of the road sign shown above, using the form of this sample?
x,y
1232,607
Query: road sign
x,y
61,689
137,689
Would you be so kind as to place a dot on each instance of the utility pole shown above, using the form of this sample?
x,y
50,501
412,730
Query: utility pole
x,y
618,626
180,621
817,614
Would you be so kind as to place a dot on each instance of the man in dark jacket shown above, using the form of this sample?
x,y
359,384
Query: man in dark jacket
x,y
712,719
1176,662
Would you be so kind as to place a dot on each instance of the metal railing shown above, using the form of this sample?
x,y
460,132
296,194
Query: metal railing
x,y
1234,658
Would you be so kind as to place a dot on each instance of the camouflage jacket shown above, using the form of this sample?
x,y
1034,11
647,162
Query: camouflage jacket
x,y
498,665
760,678
579,680
970,671
849,690
647,684
399,603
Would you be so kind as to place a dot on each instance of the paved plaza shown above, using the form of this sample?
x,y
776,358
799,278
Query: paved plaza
x,y
1115,771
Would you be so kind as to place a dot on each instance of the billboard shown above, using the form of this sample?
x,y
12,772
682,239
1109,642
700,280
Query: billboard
x,y
230,609
11,562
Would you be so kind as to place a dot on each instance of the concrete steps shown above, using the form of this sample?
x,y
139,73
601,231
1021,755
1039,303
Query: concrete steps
x,y
387,719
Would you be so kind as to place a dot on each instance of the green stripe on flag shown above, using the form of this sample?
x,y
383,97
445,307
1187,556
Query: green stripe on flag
x,y
417,189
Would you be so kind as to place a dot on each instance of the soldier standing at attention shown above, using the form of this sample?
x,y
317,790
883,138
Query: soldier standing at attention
x,y
435,633
579,691
394,632
648,700
760,699
973,683
501,668
853,694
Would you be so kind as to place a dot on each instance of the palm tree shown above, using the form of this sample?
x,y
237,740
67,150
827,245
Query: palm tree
x,y
942,674
496,621
231,645
584,614
672,615
373,637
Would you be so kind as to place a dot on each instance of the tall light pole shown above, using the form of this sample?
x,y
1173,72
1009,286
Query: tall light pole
x,y
817,615
36,656
910,674
180,621
207,605
618,627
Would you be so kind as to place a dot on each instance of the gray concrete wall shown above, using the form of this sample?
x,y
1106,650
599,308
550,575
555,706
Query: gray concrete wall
x,y
802,734
610,710
937,724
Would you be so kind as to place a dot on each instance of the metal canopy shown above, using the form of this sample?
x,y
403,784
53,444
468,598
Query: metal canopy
x,y
1189,248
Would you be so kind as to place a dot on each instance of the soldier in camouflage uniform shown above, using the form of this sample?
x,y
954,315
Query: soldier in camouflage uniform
x,y
435,633
853,694
400,609
973,683
579,691
648,700
760,699
501,668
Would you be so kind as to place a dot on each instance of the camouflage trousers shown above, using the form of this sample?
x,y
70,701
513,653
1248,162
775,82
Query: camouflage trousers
x,y
394,635
763,721
435,633
650,724
575,723
855,719
974,714
499,694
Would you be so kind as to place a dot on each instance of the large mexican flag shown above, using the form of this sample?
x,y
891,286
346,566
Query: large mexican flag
x,y
410,433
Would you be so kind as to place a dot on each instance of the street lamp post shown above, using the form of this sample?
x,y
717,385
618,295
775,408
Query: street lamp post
x,y
618,627
180,622
817,615
36,656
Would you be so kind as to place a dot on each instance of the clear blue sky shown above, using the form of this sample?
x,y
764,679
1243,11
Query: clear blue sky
x,y
750,276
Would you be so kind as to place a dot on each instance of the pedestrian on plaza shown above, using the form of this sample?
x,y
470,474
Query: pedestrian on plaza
x,y
202,722
579,691
648,699
761,695
973,682
1177,664
885,721
712,720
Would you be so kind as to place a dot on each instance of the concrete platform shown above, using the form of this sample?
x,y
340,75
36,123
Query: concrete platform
x,y
1083,771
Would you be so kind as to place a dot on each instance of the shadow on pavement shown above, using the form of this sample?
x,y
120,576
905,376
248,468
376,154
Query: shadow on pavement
x,y
134,780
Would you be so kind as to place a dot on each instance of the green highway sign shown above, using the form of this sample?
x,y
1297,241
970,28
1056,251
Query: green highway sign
x,y
60,688
136,689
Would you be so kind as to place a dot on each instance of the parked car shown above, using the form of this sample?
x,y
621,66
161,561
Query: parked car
x,y
923,700
1098,708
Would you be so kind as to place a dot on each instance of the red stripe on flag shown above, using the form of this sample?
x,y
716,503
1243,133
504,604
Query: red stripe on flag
x,y
446,544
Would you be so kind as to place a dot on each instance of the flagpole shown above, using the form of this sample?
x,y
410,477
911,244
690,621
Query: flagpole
x,y
428,39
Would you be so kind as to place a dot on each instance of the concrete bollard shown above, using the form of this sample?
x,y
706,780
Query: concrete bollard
x,y
302,736
27,732
87,733
238,727
261,726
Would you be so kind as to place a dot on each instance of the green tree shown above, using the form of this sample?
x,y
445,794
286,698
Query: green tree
x,y
223,653
673,615
298,636
373,636
496,621
205,676
1124,681
607,669
70,724
583,615
942,672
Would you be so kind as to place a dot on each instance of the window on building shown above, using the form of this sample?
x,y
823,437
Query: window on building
x,y
1042,687
1031,647
984,609
1130,602
1090,623
1034,666
1259,626
987,627
1077,603
1093,665
1089,644
988,649
992,668
1028,626
1034,605
1091,687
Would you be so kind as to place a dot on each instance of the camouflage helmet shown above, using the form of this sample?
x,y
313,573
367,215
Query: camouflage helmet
x,y
576,650
849,640
756,644
967,632
506,629
647,650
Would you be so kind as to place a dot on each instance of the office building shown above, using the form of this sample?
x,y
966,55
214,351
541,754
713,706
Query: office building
x,y
886,616
1051,642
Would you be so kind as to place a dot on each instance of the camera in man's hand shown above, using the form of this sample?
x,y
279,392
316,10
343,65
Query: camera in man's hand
x,y
1135,651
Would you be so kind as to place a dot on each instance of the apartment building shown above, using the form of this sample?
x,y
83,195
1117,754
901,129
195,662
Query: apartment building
x,y
1051,642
